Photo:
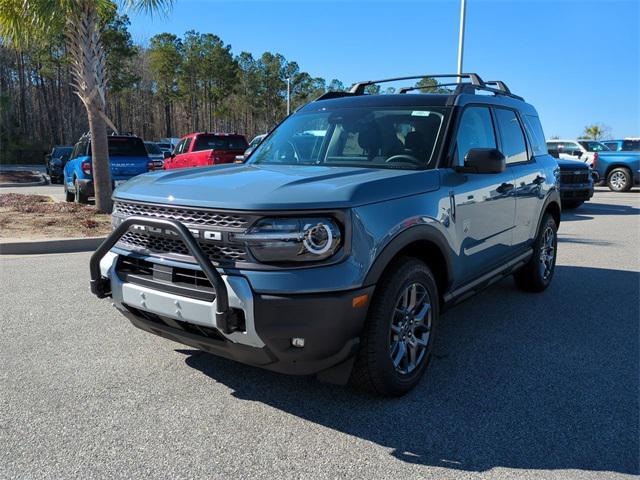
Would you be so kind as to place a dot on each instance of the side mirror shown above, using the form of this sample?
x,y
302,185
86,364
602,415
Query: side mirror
x,y
484,160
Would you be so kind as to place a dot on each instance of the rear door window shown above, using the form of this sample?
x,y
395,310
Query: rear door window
x,y
475,131
631,145
514,146
536,134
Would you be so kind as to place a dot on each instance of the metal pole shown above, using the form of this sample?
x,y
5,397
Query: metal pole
x,y
288,96
463,8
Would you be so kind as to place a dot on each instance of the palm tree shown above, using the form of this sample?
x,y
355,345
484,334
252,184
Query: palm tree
x,y
597,131
24,23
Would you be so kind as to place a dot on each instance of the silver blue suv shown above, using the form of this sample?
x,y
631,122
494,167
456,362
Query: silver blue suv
x,y
334,249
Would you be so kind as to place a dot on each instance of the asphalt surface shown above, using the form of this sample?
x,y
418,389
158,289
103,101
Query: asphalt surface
x,y
521,386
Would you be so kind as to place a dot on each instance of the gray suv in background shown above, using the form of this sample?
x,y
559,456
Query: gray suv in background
x,y
348,231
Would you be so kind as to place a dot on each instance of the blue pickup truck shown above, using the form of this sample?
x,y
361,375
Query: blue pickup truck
x,y
128,157
620,171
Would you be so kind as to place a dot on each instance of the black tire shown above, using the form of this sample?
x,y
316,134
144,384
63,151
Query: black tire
x,y
571,205
619,180
79,197
537,274
374,369
68,196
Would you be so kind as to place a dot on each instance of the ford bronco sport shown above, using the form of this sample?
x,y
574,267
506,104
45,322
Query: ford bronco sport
x,y
334,249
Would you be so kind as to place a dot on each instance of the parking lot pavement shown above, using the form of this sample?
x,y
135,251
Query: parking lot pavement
x,y
55,191
521,385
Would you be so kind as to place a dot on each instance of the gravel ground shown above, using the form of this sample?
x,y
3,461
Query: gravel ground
x,y
522,385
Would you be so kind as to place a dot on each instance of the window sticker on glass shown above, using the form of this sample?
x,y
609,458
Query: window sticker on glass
x,y
420,113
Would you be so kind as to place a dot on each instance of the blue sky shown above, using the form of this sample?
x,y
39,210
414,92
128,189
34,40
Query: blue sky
x,y
577,62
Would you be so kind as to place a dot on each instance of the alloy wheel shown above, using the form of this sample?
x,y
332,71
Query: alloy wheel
x,y
618,180
410,328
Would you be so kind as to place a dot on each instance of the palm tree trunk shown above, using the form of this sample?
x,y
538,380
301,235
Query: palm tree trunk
x,y
100,159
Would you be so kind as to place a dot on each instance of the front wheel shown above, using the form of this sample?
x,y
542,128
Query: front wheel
x,y
536,275
399,332
68,196
619,180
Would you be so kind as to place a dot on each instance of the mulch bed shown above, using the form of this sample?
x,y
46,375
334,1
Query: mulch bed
x,y
39,217
19,177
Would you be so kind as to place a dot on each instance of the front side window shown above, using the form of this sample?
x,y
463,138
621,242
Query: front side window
x,y
514,146
475,131
395,138
612,146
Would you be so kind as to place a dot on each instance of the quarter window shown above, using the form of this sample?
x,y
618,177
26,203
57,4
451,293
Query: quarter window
x,y
475,131
514,146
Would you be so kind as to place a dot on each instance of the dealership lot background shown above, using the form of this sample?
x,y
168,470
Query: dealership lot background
x,y
523,386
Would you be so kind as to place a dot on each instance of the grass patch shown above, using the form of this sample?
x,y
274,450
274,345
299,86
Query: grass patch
x,y
39,217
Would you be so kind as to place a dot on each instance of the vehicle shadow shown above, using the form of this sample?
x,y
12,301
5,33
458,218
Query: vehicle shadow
x,y
526,381
589,209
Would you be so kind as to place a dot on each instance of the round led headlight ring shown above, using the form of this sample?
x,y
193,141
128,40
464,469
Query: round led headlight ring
x,y
318,239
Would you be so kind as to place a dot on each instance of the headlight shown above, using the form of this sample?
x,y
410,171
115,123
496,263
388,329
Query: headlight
x,y
278,240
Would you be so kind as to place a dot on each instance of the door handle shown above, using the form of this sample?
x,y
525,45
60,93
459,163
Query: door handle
x,y
504,188
539,180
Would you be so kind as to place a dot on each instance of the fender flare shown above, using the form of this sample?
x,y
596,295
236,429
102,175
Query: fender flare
x,y
553,197
403,239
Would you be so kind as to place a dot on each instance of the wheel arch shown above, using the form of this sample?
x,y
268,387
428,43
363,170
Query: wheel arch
x,y
613,166
552,206
423,242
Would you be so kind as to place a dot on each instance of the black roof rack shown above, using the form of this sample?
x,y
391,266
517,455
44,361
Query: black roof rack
x,y
475,83
358,88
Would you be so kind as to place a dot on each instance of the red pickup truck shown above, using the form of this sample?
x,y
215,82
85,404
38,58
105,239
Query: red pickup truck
x,y
201,149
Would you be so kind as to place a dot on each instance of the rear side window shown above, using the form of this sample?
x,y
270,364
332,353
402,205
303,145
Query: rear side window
x,y
475,131
219,142
536,134
514,146
126,147
631,145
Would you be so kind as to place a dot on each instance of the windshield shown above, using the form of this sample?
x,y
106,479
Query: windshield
x,y
126,147
220,142
594,146
152,148
402,138
60,151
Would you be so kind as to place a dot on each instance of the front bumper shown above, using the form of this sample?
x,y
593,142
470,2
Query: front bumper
x,y
330,323
576,192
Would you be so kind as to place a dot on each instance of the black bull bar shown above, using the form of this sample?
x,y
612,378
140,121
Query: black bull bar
x,y
101,286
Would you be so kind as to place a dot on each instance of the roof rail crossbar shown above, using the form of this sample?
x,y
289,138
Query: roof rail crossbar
x,y
358,88
499,84
408,89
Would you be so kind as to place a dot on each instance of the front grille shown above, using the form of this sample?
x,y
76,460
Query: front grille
x,y
157,244
162,244
572,177
188,216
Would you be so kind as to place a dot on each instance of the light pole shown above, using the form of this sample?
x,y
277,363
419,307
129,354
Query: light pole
x,y
288,96
463,8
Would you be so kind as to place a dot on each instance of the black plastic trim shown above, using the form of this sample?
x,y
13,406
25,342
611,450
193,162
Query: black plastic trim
x,y
100,286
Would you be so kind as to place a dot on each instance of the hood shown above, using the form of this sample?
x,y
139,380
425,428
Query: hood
x,y
572,164
276,187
